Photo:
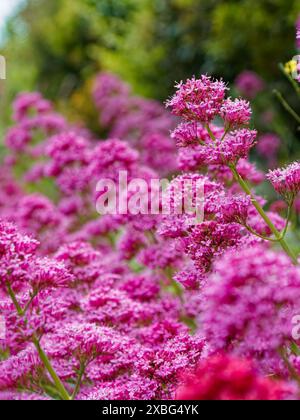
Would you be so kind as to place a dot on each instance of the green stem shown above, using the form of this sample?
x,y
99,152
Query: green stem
x,y
29,302
290,79
265,238
263,214
14,299
288,108
290,367
79,379
174,284
288,219
211,134
59,385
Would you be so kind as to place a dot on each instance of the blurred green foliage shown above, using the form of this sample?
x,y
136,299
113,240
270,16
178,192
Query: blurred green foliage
x,y
57,46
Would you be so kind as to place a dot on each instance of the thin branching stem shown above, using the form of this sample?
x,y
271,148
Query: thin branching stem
x,y
278,235
44,358
287,106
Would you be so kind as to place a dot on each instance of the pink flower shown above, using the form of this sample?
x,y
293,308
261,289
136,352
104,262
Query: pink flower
x,y
249,302
249,84
229,150
17,138
190,134
235,209
16,250
108,85
84,341
191,278
246,169
27,101
160,256
65,150
111,156
268,145
223,377
198,99
298,33
19,370
47,273
209,240
236,112
286,181
19,265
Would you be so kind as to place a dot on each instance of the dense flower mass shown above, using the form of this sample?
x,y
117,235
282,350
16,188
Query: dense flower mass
x,y
249,303
185,299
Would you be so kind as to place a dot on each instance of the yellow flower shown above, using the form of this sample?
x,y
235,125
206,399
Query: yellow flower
x,y
291,67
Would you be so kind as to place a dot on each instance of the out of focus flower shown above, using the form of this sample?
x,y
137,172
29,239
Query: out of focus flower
x,y
223,378
249,84
298,33
28,101
268,146
249,303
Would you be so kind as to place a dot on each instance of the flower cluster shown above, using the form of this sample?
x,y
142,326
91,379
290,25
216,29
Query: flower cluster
x,y
145,306
144,123
286,181
199,102
249,84
198,99
249,303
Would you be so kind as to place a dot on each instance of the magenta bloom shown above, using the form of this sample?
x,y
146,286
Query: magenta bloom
x,y
249,303
268,145
221,151
28,101
249,84
16,251
298,33
18,370
191,134
198,99
236,113
286,181
126,305
234,209
17,138
222,378
21,268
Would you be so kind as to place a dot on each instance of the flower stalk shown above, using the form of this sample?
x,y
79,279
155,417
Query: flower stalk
x,y
278,235
44,358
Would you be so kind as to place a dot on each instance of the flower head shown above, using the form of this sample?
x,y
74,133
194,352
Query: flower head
x,y
198,99
286,181
236,112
